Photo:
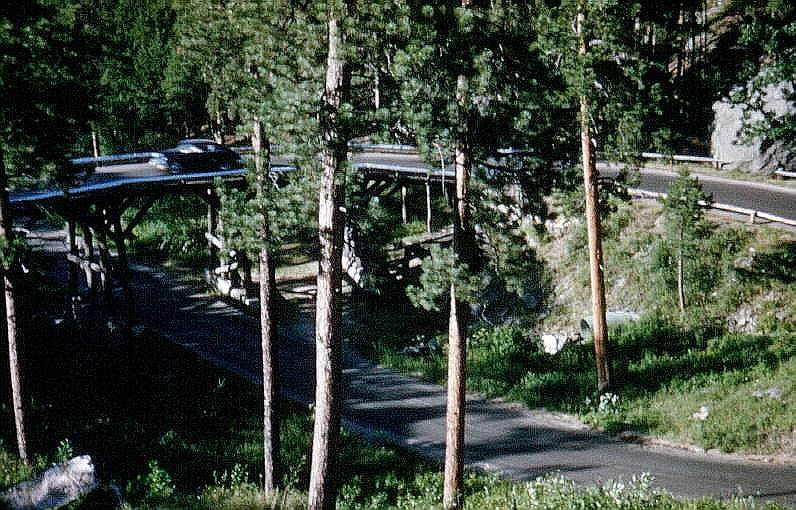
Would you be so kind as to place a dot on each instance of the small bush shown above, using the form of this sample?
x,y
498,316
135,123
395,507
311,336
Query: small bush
x,y
498,358
12,470
64,452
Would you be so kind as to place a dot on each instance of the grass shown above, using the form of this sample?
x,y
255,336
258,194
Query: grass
x,y
737,339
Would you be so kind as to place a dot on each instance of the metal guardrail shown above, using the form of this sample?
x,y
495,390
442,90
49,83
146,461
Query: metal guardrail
x,y
363,147
133,157
751,213
686,159
383,147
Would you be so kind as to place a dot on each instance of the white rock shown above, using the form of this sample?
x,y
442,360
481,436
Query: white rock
x,y
56,487
775,393
553,343
702,414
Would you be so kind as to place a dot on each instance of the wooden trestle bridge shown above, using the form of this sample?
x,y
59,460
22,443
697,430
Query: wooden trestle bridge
x,y
93,211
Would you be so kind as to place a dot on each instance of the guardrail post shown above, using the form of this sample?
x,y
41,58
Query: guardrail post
x,y
752,217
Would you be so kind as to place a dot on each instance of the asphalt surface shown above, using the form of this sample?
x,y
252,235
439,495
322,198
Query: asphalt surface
x,y
777,200
502,438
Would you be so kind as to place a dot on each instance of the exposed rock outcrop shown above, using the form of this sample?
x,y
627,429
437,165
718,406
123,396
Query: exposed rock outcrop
x,y
758,155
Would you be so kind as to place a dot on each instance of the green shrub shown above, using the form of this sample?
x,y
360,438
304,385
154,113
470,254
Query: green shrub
x,y
12,470
173,229
64,452
157,485
498,358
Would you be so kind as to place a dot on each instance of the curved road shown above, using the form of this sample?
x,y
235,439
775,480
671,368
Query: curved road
x,y
768,198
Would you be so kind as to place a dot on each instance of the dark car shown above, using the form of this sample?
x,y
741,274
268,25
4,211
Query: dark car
x,y
197,155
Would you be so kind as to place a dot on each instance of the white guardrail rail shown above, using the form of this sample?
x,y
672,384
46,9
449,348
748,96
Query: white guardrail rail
x,y
751,213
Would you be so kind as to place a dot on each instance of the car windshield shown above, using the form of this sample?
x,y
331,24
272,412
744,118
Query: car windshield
x,y
189,149
209,147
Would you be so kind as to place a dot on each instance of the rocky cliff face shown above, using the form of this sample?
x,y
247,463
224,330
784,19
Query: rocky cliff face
x,y
758,155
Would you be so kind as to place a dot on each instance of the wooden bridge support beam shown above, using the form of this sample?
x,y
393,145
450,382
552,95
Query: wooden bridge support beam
x,y
100,224
123,266
88,254
105,266
71,236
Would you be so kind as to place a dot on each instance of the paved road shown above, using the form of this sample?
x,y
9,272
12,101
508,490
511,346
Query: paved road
x,y
776,200
505,439
769,198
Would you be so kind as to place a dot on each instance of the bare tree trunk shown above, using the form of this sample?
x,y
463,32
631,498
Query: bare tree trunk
x,y
71,232
95,144
268,335
328,354
404,217
595,241
428,206
463,246
7,235
218,131
681,277
454,421
213,259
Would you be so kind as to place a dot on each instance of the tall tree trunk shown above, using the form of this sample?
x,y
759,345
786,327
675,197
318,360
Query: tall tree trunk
x,y
328,355
595,242
7,234
681,276
428,206
269,340
464,247
218,129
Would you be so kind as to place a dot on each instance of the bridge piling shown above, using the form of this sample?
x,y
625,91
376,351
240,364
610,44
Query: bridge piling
x,y
123,264
105,266
71,236
213,203
88,254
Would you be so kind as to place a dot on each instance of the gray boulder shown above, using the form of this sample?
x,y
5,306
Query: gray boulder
x,y
757,155
56,487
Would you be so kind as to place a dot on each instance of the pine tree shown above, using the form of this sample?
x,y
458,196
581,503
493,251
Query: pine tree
x,y
589,161
7,240
46,83
685,225
268,333
328,350
595,46
470,84
262,75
